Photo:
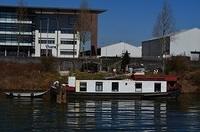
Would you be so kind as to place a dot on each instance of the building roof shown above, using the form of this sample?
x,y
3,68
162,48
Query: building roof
x,y
54,9
124,43
154,78
118,49
172,34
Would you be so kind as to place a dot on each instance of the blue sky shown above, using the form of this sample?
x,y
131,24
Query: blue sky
x,y
129,20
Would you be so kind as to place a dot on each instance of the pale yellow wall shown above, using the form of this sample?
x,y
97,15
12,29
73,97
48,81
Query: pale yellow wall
x,y
77,86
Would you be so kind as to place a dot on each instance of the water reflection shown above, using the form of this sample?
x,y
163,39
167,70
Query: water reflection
x,y
111,115
117,114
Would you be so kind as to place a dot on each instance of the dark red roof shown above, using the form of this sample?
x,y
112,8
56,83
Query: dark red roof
x,y
154,78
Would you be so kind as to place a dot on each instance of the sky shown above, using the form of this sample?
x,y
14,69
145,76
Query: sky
x,y
130,21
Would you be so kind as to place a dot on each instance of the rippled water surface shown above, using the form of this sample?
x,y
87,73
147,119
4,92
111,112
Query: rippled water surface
x,y
40,115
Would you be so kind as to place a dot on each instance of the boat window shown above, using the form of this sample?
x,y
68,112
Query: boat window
x,y
115,86
157,87
138,87
83,86
99,86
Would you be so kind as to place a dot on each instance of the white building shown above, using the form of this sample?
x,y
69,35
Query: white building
x,y
59,44
118,49
179,43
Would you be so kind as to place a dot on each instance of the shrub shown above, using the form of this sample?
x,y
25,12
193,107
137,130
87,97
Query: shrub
x,y
195,77
90,67
48,64
177,64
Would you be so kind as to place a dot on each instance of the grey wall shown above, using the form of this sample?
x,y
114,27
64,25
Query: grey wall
x,y
153,48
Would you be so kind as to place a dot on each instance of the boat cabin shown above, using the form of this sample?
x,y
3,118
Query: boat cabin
x,y
136,84
122,86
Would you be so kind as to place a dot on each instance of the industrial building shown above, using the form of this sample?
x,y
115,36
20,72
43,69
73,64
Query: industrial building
x,y
118,49
42,31
183,43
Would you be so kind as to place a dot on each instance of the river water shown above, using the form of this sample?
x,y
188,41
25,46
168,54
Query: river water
x,y
40,115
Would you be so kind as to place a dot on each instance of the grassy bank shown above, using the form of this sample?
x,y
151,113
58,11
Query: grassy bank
x,y
25,76
36,77
39,77
187,72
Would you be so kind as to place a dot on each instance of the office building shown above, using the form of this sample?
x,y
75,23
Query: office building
x,y
42,31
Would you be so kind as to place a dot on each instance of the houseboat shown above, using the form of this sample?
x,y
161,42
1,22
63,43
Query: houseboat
x,y
137,86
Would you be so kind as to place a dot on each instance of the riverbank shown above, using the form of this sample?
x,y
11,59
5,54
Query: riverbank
x,y
23,77
35,76
187,71
190,81
40,76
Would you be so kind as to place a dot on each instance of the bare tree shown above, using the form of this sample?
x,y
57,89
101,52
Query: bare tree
x,y
163,27
165,21
84,25
82,28
21,15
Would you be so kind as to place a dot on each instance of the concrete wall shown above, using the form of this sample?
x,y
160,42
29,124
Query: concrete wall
x,y
23,60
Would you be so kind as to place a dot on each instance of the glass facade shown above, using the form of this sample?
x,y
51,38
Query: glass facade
x,y
47,25
13,31
11,15
47,41
12,51
68,52
15,27
51,23
9,30
9,38
68,42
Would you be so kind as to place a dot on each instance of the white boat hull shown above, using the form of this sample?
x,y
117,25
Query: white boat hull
x,y
23,94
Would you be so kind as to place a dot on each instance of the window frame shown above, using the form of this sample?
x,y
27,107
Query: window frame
x,y
83,87
99,86
138,89
115,88
155,88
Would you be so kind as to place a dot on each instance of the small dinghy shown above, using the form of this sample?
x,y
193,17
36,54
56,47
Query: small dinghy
x,y
26,94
